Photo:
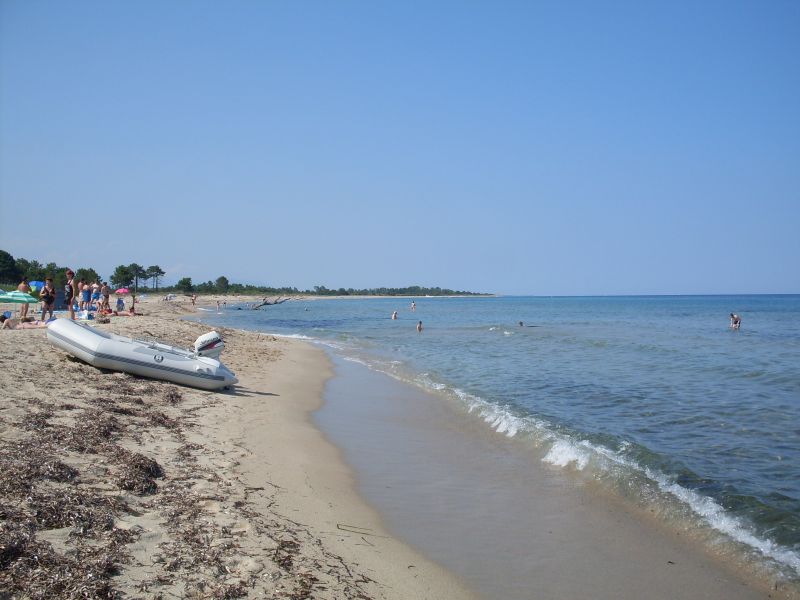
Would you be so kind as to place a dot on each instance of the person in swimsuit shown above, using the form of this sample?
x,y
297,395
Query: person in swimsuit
x,y
25,289
86,294
95,295
419,327
736,321
105,293
6,323
48,297
69,293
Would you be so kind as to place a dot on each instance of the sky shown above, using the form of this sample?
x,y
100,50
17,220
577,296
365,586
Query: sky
x,y
543,148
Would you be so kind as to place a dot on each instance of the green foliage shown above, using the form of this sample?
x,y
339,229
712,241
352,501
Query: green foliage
x,y
88,275
414,290
11,270
8,268
185,285
138,272
121,277
154,272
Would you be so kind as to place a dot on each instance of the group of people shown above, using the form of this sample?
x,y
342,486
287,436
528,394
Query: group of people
x,y
94,296
736,320
78,294
413,308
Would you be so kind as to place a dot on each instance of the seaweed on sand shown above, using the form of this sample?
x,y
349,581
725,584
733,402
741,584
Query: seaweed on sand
x,y
24,462
137,472
93,432
87,512
31,568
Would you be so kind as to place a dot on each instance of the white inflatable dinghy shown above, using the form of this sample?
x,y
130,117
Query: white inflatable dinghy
x,y
140,357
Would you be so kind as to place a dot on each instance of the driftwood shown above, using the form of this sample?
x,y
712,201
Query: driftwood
x,y
271,301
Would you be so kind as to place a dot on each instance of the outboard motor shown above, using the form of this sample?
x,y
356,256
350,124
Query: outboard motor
x,y
209,344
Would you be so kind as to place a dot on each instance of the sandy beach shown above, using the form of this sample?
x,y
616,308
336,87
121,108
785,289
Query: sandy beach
x,y
114,484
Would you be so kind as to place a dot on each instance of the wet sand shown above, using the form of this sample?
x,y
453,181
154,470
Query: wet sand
x,y
489,510
112,483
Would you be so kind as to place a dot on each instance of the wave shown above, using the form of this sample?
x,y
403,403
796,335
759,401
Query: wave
x,y
568,450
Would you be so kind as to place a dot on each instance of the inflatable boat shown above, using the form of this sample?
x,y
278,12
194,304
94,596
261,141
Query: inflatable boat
x,y
140,357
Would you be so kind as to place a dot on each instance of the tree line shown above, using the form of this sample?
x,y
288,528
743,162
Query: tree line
x,y
13,270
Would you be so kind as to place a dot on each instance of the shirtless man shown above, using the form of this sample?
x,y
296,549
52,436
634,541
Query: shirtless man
x,y
95,298
736,321
419,327
25,289
105,293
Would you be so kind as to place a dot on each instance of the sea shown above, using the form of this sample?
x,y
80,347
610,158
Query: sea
x,y
654,398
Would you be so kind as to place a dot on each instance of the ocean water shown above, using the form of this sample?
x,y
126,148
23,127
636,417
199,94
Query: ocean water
x,y
654,397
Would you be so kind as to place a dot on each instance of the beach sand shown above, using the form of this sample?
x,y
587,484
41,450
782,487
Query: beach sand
x,y
114,483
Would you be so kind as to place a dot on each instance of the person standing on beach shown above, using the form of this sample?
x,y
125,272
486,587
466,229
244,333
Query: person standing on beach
x,y
70,292
105,294
48,297
25,289
419,327
95,298
736,321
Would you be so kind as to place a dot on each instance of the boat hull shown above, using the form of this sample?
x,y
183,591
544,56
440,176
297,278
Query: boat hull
x,y
139,357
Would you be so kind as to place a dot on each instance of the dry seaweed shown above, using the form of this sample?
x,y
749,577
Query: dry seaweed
x,y
87,512
137,472
92,433
162,420
25,462
173,396
36,421
33,569
285,552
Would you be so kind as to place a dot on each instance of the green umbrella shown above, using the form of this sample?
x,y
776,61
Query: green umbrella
x,y
17,297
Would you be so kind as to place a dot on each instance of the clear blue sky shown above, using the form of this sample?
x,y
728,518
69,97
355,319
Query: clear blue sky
x,y
513,147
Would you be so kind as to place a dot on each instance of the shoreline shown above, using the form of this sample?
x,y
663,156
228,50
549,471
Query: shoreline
x,y
453,489
257,498
142,486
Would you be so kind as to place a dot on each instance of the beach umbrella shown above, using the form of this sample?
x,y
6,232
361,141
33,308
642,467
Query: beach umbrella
x,y
17,297
123,291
